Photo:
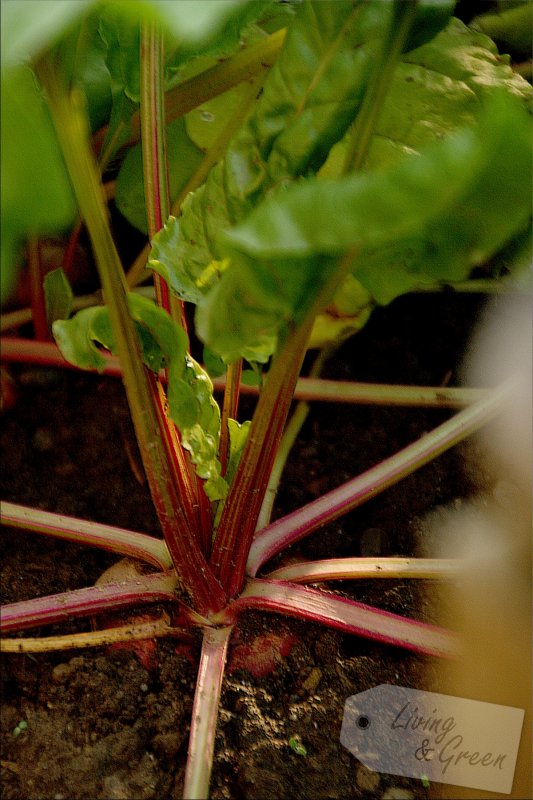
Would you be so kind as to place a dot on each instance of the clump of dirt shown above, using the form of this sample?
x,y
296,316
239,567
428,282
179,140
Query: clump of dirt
x,y
98,724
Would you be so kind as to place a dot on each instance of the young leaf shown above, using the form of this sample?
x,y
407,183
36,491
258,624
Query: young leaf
x,y
423,220
163,344
76,339
237,439
182,252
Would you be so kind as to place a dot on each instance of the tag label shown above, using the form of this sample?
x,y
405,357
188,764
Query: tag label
x,y
433,736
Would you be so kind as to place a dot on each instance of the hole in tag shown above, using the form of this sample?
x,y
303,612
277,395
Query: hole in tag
x,y
363,722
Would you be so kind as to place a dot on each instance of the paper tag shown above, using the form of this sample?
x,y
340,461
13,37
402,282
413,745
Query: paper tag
x,y
433,736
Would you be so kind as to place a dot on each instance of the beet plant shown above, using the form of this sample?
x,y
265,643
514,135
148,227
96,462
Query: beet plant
x,y
292,165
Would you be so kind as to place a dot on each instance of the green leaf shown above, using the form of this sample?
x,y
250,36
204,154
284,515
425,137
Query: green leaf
x,y
121,34
431,17
511,28
31,27
58,295
308,101
196,413
183,160
92,74
163,344
435,90
310,98
242,316
203,449
349,311
238,433
206,122
426,219
76,339
183,252
162,341
207,26
36,193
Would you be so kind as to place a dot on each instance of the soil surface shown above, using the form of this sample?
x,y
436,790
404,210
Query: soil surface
x,y
100,725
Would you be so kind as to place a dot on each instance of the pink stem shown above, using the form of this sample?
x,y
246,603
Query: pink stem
x,y
334,504
282,597
205,712
92,600
106,537
28,351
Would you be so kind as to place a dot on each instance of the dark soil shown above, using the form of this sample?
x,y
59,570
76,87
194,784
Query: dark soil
x,y
100,725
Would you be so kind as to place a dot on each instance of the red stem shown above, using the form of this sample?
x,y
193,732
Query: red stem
x,y
229,410
283,597
29,351
86,602
243,504
35,270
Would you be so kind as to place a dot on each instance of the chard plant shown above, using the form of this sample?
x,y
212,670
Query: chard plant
x,y
292,165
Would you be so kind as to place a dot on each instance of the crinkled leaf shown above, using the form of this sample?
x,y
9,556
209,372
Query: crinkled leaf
x,y
163,344
309,99
182,252
435,89
183,160
58,295
196,413
465,55
203,450
159,337
426,219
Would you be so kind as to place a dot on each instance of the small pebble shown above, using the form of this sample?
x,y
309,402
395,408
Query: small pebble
x,y
397,793
61,672
312,681
374,542
42,440
367,779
